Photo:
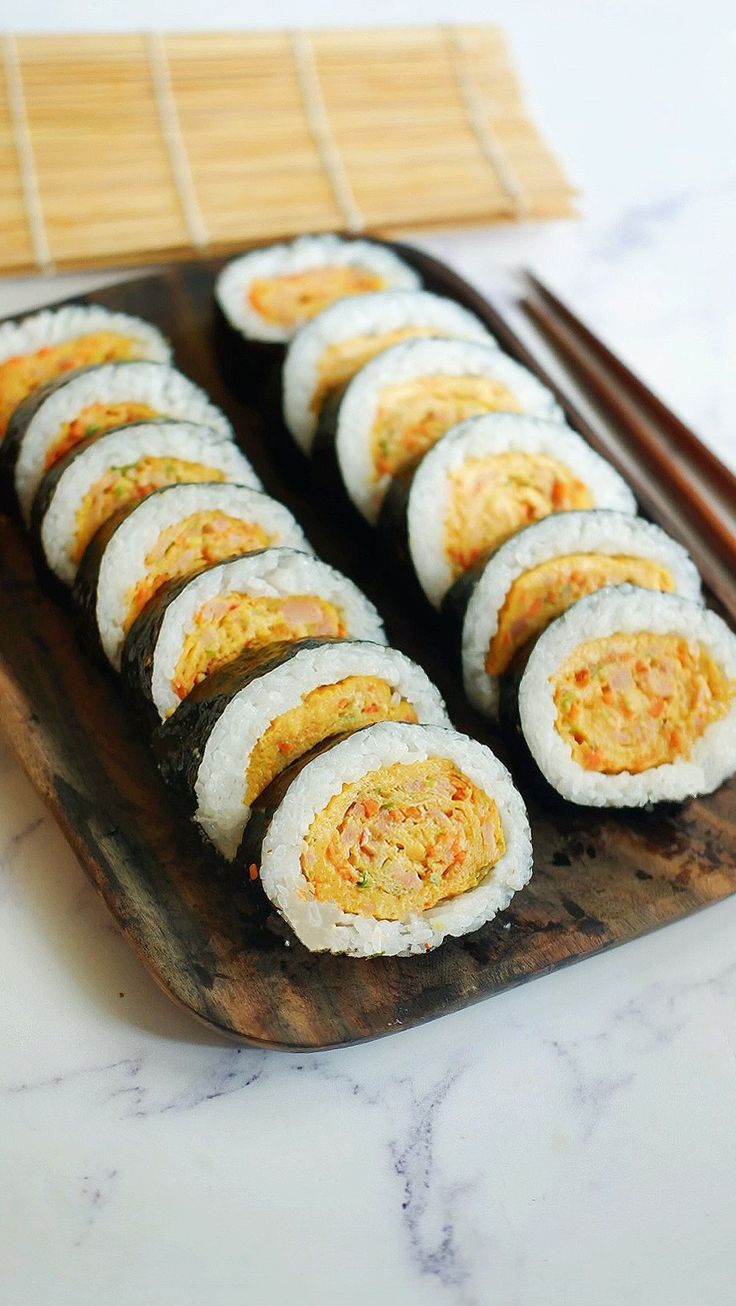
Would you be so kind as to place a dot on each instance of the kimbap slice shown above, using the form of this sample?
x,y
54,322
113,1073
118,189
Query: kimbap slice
x,y
545,568
268,294
483,481
400,404
330,349
195,627
246,723
167,536
54,420
629,698
97,479
390,841
46,345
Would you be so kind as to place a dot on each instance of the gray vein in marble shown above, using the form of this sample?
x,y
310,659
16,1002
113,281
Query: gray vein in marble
x,y
10,846
636,227
95,1193
428,1205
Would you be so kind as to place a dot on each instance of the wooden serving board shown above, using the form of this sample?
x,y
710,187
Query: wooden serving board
x,y
599,878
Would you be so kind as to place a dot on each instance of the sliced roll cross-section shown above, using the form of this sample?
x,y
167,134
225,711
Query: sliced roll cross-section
x,y
171,534
629,698
49,344
330,349
269,293
122,467
193,628
55,419
483,481
545,568
246,723
389,841
402,402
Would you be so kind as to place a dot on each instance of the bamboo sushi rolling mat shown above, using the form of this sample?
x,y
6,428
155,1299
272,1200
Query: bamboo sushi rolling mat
x,y
126,148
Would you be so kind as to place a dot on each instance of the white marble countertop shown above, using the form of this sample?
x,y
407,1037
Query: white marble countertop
x,y
573,1141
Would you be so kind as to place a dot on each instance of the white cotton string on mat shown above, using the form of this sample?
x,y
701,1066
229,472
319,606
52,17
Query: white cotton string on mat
x,y
321,132
24,151
477,114
172,134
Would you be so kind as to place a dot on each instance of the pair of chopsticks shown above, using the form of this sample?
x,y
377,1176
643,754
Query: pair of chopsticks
x,y
678,481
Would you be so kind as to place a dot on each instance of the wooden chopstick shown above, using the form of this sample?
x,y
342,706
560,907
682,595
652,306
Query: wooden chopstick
x,y
668,471
595,377
679,435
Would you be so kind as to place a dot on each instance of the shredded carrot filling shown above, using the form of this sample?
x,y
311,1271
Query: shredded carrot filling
x,y
402,839
327,710
25,372
94,420
539,595
226,625
629,702
412,415
296,297
490,498
340,362
195,541
122,486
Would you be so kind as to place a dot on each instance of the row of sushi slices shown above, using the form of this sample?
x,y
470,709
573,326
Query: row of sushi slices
x,y
310,753
578,622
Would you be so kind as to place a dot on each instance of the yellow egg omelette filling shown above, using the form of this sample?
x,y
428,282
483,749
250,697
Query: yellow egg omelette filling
x,y
195,541
402,839
629,702
412,415
94,420
327,710
226,625
340,362
296,297
25,372
539,595
122,486
490,498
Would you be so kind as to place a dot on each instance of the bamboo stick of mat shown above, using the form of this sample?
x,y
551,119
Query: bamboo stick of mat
x,y
127,147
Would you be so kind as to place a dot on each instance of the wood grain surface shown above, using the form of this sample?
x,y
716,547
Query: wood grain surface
x,y
207,937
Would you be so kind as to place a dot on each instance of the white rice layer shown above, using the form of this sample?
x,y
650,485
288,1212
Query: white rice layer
x,y
409,361
362,315
168,392
323,926
54,326
119,449
275,573
301,255
123,563
220,786
620,609
484,437
609,533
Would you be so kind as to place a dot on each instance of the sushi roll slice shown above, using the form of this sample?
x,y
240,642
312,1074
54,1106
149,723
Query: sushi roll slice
x,y
246,723
46,345
266,295
192,628
330,349
167,536
538,573
53,420
400,404
389,841
482,481
97,479
629,698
